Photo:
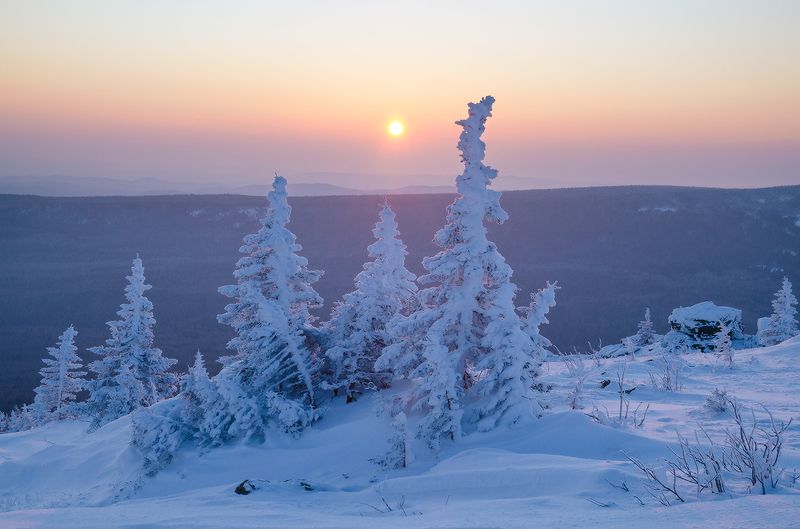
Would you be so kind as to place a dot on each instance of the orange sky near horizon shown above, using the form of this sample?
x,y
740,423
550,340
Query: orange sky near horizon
x,y
320,80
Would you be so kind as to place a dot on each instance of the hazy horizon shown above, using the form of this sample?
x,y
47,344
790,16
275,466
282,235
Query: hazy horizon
x,y
588,93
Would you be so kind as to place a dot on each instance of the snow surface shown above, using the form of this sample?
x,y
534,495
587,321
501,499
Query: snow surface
x,y
541,473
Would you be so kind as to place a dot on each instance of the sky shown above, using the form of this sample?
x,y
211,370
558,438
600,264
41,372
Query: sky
x,y
590,92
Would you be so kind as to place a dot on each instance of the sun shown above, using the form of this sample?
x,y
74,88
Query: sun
x,y
396,128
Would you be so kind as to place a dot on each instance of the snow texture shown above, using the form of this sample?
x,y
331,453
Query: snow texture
x,y
540,472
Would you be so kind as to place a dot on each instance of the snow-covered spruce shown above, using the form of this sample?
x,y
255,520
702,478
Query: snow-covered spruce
x,y
359,328
62,380
645,340
198,394
645,335
782,324
207,412
476,359
20,419
270,380
131,372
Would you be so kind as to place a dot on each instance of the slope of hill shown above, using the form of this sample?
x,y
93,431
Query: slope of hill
x,y
562,470
613,250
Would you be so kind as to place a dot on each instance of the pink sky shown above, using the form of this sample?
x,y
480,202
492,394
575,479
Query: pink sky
x,y
593,92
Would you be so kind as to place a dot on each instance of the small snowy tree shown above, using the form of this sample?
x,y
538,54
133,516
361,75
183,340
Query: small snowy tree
x,y
360,326
21,419
646,334
723,347
159,431
398,453
197,391
782,324
130,373
62,380
535,314
275,361
474,355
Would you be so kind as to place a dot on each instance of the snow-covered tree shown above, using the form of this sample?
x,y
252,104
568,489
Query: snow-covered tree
x,y
275,360
197,391
782,324
723,346
131,372
398,453
646,334
158,432
475,357
62,380
21,419
535,314
359,328
3,421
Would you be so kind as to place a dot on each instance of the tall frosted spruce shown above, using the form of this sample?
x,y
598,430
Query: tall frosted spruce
x,y
359,328
62,380
782,324
275,360
131,373
475,359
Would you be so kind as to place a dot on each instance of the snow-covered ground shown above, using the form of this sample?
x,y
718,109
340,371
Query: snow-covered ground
x,y
548,472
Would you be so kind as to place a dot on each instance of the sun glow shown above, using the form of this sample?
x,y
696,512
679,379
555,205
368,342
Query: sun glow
x,y
396,128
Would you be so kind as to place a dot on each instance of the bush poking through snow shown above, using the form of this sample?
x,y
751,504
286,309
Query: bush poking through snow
x,y
717,401
668,373
624,417
578,372
748,452
662,487
698,465
755,451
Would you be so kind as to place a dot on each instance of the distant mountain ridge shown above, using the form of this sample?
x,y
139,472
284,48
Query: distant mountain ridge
x,y
81,186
